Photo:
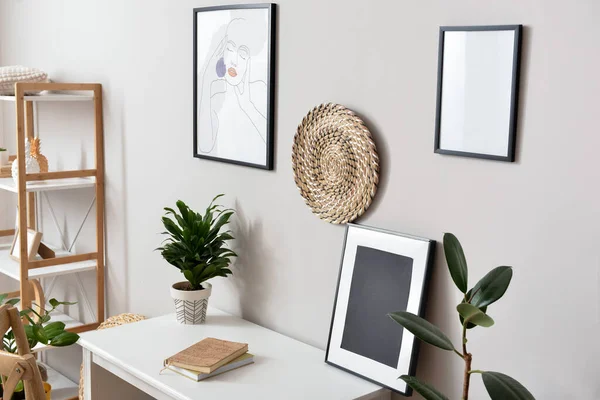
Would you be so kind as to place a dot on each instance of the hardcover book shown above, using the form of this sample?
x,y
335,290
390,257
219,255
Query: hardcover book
x,y
207,355
244,359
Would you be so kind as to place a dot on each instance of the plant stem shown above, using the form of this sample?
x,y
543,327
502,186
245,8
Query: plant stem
x,y
459,354
468,358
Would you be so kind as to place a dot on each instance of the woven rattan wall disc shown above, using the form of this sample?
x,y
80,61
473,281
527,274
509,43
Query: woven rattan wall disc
x,y
335,162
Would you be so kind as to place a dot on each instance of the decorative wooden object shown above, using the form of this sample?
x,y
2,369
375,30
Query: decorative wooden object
x,y
34,240
335,163
21,366
46,252
26,199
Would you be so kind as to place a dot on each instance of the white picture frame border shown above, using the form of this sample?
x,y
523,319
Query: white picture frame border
x,y
422,252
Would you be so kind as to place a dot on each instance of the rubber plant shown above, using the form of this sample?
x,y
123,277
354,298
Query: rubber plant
x,y
39,330
472,313
195,243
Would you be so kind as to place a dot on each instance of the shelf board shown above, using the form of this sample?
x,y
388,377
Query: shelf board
x,y
49,185
11,267
52,97
62,387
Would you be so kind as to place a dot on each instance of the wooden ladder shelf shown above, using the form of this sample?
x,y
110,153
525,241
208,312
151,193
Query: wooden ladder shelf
x,y
29,184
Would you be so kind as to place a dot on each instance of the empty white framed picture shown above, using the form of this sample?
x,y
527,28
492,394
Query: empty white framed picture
x,y
478,84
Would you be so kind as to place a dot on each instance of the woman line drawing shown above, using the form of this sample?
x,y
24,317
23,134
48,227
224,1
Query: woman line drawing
x,y
232,109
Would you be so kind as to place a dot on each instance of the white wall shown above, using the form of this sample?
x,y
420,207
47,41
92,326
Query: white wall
x,y
379,58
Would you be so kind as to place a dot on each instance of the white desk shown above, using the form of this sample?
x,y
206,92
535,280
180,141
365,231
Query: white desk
x,y
284,368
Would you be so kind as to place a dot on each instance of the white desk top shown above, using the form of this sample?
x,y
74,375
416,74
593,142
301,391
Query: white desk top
x,y
283,367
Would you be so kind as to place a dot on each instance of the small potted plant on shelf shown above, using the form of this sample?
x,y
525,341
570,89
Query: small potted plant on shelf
x,y
195,244
3,156
39,330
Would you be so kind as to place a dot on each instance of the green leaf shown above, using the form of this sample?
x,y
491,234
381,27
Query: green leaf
x,y
457,264
422,329
2,297
462,320
427,391
55,303
491,287
503,387
12,302
19,387
474,315
54,329
25,314
189,275
64,339
39,334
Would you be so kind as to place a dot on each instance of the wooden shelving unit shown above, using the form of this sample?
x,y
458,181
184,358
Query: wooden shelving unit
x,y
29,185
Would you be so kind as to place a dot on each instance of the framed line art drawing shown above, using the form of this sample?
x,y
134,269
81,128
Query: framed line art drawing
x,y
478,91
381,272
234,82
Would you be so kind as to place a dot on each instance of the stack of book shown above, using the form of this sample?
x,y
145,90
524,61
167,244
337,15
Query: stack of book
x,y
209,357
6,170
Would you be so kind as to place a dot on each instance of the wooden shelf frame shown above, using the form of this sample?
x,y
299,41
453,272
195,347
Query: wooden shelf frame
x,y
26,200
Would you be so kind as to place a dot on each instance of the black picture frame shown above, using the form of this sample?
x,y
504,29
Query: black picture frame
x,y
422,300
270,117
514,98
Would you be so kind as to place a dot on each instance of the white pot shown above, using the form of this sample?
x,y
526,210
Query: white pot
x,y
190,305
3,158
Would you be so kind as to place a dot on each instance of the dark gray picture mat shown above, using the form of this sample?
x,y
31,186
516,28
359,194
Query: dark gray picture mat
x,y
380,285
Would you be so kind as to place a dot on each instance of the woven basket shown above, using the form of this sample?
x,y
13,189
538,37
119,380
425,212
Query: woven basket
x,y
111,322
335,162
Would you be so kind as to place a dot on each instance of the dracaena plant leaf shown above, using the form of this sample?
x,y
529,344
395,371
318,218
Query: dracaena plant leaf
x,y
196,243
457,263
422,329
502,387
474,315
491,287
427,391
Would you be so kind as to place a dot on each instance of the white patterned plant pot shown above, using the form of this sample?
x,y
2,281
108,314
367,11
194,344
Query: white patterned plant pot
x,y
190,305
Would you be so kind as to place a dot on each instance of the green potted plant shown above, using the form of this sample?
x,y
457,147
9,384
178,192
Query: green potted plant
x,y
195,245
39,330
3,156
472,312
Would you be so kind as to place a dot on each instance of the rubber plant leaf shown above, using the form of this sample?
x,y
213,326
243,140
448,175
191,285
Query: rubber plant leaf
x,y
457,263
474,315
422,329
502,387
427,391
491,287
460,317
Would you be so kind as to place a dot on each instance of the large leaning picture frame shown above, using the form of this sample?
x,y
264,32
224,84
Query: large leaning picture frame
x,y
234,84
478,91
381,272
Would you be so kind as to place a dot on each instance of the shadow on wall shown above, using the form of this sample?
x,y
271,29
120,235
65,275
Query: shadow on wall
x,y
433,363
523,78
250,272
384,164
